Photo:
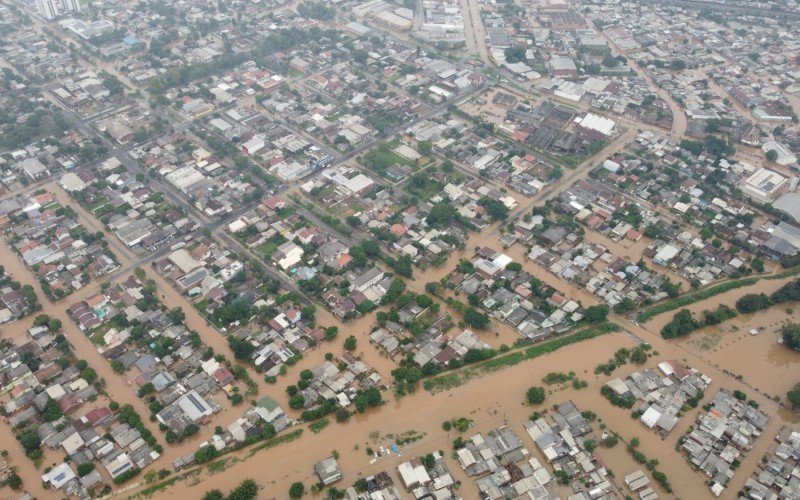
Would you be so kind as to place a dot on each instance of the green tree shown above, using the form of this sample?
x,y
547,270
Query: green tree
x,y
51,411
423,301
626,305
242,349
462,424
374,397
638,355
772,155
297,490
682,324
361,402
30,441
205,453
515,54
596,314
297,401
14,481
790,333
793,396
495,208
213,495
677,65
350,343
535,395
85,468
440,214
610,61
247,490
752,302
476,319
176,315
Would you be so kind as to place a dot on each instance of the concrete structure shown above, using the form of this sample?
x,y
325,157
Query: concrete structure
x,y
563,66
70,6
591,121
789,204
785,156
48,9
764,185
328,471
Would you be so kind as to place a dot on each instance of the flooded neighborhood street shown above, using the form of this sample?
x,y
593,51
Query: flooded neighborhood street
x,y
723,352
426,249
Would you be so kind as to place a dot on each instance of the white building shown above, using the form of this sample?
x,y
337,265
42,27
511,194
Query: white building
x,y
785,156
413,474
69,6
764,185
194,406
48,9
666,254
59,475
591,121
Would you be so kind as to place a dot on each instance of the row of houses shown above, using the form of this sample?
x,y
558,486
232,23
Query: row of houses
x,y
723,436
776,477
154,350
65,256
58,405
535,311
503,466
559,441
665,393
138,216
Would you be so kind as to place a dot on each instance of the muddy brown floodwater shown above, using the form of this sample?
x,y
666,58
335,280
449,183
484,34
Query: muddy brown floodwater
x,y
763,362
83,349
483,401
480,400
490,401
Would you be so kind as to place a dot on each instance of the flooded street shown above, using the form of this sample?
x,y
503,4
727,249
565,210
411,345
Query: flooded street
x,y
22,465
632,250
728,298
182,94
114,384
727,347
764,364
122,254
421,412
730,345
481,401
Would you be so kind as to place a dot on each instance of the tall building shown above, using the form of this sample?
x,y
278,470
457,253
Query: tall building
x,y
68,6
47,9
